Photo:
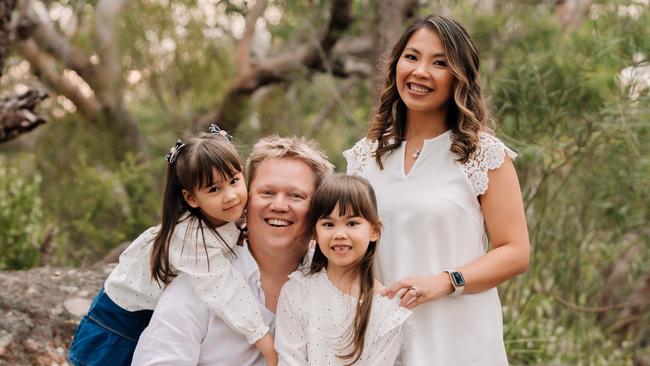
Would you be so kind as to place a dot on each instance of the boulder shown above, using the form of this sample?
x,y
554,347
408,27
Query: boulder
x,y
41,308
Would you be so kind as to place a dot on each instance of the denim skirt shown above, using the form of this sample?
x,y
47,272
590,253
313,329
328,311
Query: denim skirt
x,y
107,334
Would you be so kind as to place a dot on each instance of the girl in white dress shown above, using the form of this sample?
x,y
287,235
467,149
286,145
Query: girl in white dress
x,y
442,180
332,313
204,194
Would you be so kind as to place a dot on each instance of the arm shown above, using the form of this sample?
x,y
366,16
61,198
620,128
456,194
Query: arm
x,y
503,211
290,332
217,283
176,330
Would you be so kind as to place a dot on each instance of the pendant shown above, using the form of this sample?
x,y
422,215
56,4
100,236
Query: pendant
x,y
416,154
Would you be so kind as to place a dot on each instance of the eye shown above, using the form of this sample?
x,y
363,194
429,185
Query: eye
x,y
442,63
234,181
214,189
326,224
353,223
266,193
296,196
410,56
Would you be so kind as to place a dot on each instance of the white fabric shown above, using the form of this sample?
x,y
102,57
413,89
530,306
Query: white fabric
x,y
183,330
314,317
209,272
433,222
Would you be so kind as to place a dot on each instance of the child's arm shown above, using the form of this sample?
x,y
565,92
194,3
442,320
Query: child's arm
x,y
290,332
265,345
220,286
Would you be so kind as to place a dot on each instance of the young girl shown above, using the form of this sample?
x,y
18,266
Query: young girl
x,y
204,194
333,314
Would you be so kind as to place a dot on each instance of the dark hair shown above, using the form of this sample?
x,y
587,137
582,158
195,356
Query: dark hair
x,y
355,197
193,169
467,114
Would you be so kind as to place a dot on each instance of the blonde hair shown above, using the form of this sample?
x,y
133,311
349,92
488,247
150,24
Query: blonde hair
x,y
299,148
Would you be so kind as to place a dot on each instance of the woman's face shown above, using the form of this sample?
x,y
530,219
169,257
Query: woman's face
x,y
423,77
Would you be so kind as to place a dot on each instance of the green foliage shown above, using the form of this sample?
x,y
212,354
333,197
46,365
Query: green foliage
x,y
21,214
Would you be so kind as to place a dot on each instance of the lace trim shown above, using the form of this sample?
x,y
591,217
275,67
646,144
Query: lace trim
x,y
490,155
359,156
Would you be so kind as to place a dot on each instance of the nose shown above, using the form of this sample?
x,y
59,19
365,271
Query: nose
x,y
279,203
340,233
421,70
229,196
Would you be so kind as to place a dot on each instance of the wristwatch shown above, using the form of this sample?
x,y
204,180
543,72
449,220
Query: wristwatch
x,y
457,281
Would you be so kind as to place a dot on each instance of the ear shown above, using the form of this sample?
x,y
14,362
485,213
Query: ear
x,y
190,199
376,230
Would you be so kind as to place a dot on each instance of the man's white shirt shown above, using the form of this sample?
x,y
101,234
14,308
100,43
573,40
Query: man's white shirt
x,y
183,330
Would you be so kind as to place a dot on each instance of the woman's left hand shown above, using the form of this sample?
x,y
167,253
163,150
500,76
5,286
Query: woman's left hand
x,y
416,290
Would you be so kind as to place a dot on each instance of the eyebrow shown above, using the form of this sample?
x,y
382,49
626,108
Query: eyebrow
x,y
439,54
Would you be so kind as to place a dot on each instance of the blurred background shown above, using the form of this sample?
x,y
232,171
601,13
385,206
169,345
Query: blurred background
x,y
93,94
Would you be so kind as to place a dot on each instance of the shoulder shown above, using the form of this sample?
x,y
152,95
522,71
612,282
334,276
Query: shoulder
x,y
492,151
298,283
358,156
489,155
179,298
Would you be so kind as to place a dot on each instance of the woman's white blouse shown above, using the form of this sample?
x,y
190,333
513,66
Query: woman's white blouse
x,y
433,222
208,269
313,319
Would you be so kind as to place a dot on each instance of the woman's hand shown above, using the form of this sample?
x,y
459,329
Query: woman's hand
x,y
416,290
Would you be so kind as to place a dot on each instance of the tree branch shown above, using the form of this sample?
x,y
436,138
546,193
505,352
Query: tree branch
x,y
280,67
43,65
50,40
109,68
244,45
17,114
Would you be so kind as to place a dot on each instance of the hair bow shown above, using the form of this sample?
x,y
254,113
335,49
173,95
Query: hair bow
x,y
173,152
218,131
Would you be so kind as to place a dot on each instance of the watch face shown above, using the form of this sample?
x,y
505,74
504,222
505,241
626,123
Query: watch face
x,y
458,279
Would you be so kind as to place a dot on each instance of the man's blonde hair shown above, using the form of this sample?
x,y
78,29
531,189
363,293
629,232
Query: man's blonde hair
x,y
299,148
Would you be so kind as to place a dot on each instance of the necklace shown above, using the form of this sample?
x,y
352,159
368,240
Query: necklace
x,y
416,152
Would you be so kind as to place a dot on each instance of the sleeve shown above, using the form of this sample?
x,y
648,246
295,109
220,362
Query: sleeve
x,y
176,330
490,155
290,326
396,331
217,283
358,157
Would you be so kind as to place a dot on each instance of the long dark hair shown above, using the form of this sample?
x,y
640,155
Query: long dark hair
x,y
193,169
467,114
355,197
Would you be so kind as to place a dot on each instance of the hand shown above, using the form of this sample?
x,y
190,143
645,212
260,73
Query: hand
x,y
416,290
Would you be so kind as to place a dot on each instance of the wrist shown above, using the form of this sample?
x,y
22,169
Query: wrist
x,y
456,280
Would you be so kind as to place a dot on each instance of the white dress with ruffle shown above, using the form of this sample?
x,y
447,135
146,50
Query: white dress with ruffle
x,y
433,222
314,317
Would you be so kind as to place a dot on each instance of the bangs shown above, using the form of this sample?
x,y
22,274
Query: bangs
x,y
208,155
353,196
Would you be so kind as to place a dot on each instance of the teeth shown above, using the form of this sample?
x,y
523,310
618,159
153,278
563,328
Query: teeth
x,y
419,89
278,222
341,248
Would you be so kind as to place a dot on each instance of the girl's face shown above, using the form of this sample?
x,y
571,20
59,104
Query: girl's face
x,y
423,77
222,201
344,239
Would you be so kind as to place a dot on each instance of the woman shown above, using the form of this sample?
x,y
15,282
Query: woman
x,y
441,178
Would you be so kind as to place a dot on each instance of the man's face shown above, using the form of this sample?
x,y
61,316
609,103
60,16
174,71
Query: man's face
x,y
278,203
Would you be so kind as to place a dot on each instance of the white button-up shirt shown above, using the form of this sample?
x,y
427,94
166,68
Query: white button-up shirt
x,y
183,330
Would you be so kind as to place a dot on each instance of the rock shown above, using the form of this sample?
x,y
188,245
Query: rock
x,y
41,308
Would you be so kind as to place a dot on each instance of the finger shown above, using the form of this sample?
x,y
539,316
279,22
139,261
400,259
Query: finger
x,y
392,290
408,298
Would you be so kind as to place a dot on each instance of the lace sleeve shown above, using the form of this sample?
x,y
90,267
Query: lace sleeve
x,y
490,155
359,156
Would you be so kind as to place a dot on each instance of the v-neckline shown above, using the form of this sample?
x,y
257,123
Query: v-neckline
x,y
404,151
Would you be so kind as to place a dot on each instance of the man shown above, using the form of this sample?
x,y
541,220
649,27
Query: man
x,y
283,174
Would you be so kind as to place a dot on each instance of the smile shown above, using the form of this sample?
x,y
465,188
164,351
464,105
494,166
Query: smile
x,y
341,248
418,89
277,222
